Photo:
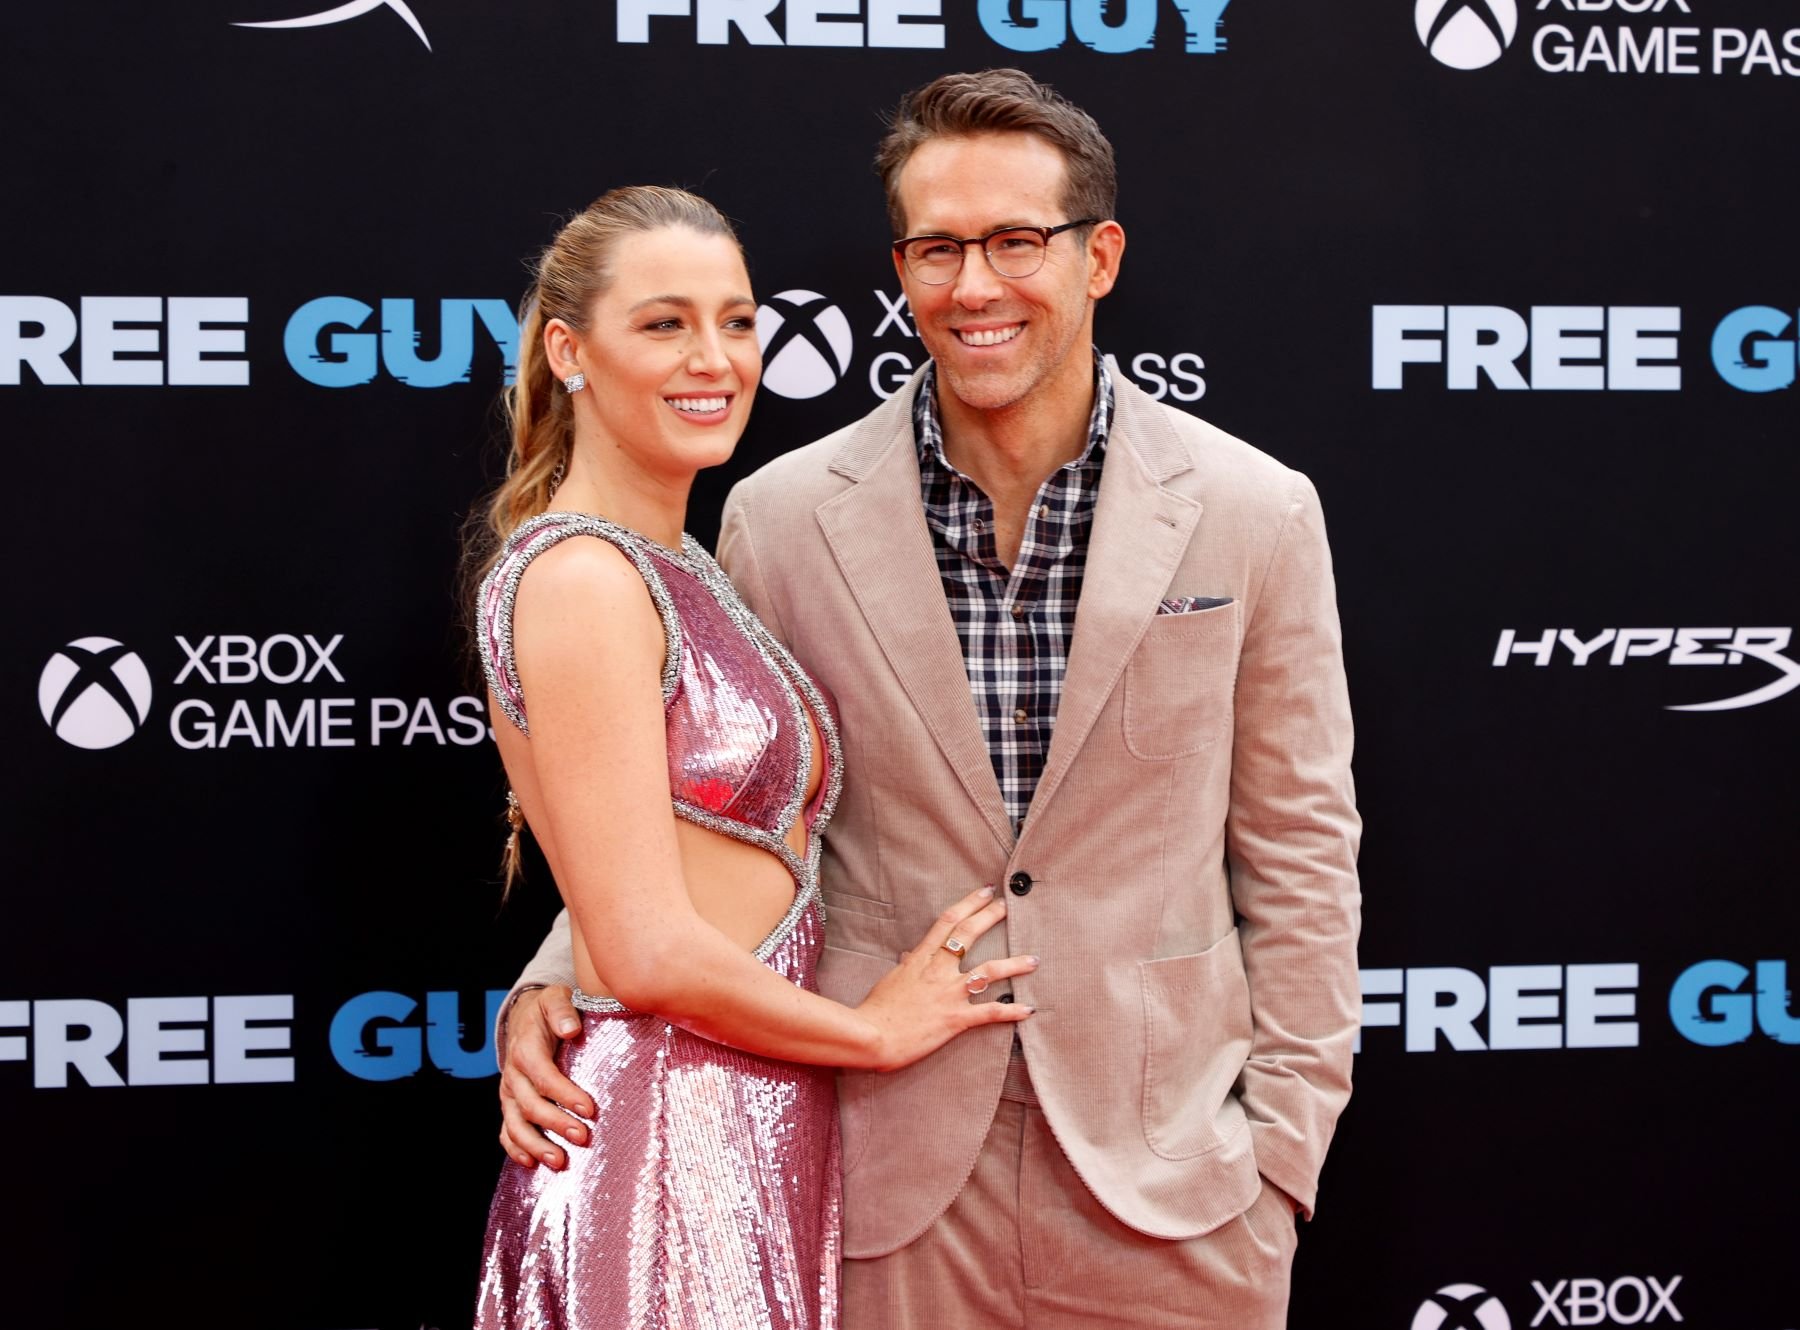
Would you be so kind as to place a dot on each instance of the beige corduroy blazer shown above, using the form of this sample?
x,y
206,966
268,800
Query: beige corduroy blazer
x,y
1190,850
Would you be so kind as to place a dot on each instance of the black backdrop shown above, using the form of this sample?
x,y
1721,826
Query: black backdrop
x,y
325,1158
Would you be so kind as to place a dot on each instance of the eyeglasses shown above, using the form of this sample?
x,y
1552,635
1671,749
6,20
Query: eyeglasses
x,y
1012,251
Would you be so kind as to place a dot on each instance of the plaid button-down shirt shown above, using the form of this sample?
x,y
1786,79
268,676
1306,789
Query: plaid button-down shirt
x,y
1015,625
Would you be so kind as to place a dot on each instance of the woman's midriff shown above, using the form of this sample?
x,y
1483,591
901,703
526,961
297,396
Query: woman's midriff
x,y
740,889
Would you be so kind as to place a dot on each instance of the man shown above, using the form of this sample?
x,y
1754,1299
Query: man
x,y
1085,647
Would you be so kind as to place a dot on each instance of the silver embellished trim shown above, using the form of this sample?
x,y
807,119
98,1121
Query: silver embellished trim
x,y
531,539
803,696
602,1006
806,897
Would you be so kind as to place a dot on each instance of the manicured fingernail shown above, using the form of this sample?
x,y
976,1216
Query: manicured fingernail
x,y
988,890
568,1025
550,1159
1036,961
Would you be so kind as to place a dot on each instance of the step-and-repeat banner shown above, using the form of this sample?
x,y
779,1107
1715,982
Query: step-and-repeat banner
x,y
1513,280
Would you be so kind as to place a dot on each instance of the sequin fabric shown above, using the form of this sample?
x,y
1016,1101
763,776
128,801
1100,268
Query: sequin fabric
x,y
709,1198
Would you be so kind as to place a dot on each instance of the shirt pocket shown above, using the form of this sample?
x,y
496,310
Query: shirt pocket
x,y
1179,683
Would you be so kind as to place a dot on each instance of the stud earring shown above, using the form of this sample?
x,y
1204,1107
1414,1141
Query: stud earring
x,y
575,382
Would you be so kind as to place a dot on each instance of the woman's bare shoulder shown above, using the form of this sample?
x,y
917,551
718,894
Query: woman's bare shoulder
x,y
587,594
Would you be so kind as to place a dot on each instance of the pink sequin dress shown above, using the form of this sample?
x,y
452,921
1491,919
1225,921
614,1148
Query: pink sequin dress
x,y
709,1196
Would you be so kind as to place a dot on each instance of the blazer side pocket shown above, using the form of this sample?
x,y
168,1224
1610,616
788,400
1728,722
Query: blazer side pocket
x,y
847,977
1197,1032
1179,684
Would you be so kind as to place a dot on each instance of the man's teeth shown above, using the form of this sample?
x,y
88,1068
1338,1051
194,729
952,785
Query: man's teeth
x,y
991,336
699,406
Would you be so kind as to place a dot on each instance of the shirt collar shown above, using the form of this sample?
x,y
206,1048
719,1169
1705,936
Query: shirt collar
x,y
928,430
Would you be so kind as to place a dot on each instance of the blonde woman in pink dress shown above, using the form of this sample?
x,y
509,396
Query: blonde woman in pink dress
x,y
677,767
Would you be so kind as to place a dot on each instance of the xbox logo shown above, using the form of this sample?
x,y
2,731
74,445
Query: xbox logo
x,y
94,693
1466,34
1461,1307
805,343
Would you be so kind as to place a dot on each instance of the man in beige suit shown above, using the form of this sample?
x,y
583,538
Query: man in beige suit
x,y
1084,647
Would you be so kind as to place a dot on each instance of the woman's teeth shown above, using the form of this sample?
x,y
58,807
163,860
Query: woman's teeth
x,y
699,406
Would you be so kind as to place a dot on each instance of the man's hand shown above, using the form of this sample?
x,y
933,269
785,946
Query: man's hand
x,y
533,1092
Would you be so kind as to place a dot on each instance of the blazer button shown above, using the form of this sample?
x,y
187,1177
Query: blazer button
x,y
1004,997
1019,884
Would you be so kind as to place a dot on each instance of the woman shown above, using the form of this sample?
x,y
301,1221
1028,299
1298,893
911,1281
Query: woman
x,y
677,767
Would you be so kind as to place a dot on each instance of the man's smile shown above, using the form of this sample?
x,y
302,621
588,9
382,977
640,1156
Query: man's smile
x,y
988,336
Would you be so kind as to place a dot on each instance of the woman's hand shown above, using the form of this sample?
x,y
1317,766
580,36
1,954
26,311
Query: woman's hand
x,y
924,1001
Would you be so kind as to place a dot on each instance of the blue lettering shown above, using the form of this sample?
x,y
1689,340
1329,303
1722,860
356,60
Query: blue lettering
x,y
1042,25
1136,31
1203,19
444,1036
351,360
355,357
395,1052
1747,361
503,326
400,344
1774,1003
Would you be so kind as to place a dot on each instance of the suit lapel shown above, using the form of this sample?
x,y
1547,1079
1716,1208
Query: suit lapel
x,y
877,533
1141,531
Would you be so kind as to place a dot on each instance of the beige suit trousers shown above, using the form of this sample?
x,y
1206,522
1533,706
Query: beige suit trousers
x,y
1025,1246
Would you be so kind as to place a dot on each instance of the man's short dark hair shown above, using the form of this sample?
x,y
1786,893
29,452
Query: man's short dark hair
x,y
1002,101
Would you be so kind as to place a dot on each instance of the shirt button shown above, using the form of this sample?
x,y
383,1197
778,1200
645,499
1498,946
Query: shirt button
x,y
1020,716
979,524
1044,511
1018,610
1019,884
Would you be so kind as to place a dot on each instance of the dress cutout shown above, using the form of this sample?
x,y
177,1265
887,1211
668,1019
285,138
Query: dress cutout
x,y
709,1196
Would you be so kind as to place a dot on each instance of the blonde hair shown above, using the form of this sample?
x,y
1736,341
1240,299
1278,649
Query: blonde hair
x,y
570,274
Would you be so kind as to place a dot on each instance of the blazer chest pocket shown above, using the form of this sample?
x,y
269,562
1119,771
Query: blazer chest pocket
x,y
1179,683
1197,1034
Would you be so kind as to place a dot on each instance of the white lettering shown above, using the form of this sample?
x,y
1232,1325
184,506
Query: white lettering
x,y
235,1039
103,340
1554,345
42,350
149,1039
1427,1016
1509,646
1393,349
56,1048
194,337
1629,345
1518,994
1582,650
1602,1002
1640,642
385,713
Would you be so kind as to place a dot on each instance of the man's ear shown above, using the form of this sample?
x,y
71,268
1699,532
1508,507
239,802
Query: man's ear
x,y
1106,249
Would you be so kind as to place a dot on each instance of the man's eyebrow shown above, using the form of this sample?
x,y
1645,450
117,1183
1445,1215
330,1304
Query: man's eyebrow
x,y
985,231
